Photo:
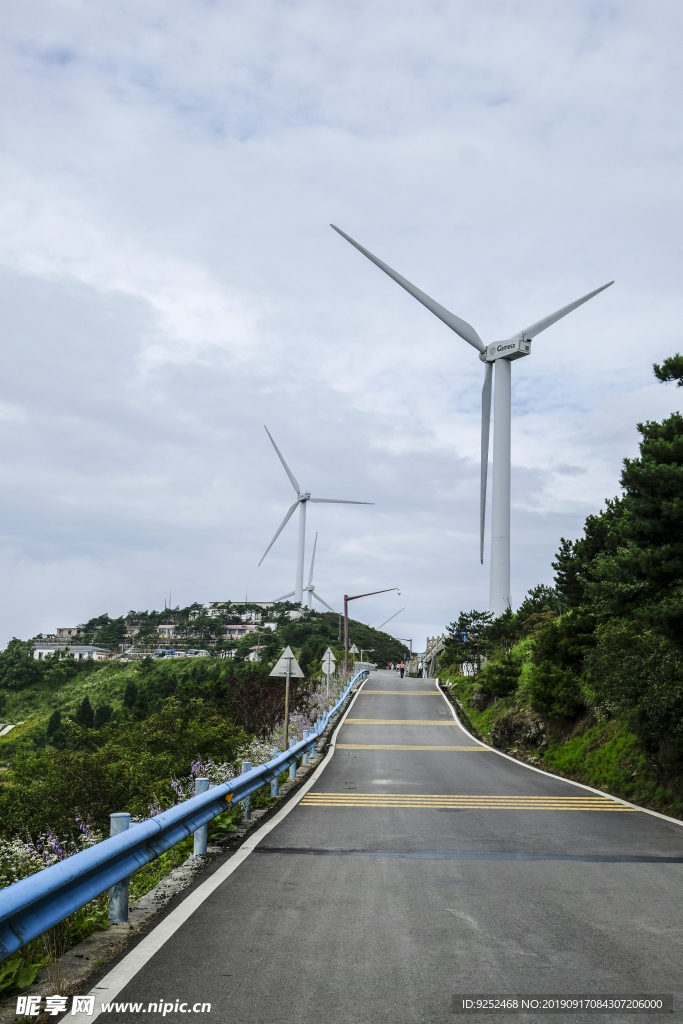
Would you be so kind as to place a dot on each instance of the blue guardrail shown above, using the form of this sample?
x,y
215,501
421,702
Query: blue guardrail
x,y
32,905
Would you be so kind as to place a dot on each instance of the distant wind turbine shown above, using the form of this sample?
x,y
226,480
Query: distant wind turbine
x,y
302,497
392,617
309,589
501,353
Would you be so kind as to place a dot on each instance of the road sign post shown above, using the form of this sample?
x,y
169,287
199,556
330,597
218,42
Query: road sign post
x,y
287,666
329,666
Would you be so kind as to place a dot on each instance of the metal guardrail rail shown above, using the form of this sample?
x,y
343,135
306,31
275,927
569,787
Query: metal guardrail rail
x,y
32,905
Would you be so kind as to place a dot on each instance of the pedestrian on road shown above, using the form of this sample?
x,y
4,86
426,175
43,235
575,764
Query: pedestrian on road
x,y
402,668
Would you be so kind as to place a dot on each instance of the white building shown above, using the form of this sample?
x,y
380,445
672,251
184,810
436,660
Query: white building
x,y
81,652
240,630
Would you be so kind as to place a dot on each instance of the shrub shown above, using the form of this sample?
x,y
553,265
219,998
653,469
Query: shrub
x,y
638,673
500,677
554,690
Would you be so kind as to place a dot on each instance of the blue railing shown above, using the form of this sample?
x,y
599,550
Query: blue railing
x,y
32,905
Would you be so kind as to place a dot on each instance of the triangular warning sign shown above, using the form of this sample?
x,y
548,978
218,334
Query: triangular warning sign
x,y
329,655
287,659
353,650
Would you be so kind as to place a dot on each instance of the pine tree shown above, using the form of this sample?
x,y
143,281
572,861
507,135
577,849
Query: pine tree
x,y
130,696
85,716
102,715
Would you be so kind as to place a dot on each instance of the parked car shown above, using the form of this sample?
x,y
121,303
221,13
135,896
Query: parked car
x,y
163,652
192,653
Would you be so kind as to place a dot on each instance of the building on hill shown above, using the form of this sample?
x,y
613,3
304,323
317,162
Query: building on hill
x,y
81,652
216,608
241,630
66,632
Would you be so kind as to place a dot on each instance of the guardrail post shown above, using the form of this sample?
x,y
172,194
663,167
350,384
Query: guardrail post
x,y
275,784
292,767
118,894
201,835
304,756
246,803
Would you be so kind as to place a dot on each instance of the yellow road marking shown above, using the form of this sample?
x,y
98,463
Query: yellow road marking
x,y
483,803
401,746
399,721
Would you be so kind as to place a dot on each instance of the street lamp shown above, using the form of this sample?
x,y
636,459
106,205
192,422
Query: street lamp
x,y
346,618
406,641
366,650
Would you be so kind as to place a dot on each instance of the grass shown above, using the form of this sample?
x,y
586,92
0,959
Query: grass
x,y
34,704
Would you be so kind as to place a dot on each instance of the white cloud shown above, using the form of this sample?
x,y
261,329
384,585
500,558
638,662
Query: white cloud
x,y
171,283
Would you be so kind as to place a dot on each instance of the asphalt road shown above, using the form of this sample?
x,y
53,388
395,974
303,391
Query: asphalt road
x,y
417,868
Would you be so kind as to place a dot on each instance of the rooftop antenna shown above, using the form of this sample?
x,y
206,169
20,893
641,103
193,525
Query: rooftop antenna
x,y
502,353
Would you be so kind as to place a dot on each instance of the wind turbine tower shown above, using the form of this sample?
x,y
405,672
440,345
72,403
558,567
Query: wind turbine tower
x,y
302,498
309,589
502,354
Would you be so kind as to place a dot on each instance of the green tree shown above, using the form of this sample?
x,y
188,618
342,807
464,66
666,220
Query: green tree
x,y
18,667
130,695
670,370
500,677
102,715
85,716
468,639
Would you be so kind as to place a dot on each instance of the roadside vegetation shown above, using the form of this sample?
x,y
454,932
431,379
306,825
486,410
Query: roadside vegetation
x,y
586,678
91,738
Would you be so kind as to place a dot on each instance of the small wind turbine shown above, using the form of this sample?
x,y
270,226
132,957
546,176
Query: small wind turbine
x,y
501,353
309,589
302,497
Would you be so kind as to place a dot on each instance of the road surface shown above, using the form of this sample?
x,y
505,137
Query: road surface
x,y
421,865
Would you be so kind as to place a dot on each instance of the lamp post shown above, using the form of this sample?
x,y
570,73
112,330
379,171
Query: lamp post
x,y
405,640
355,597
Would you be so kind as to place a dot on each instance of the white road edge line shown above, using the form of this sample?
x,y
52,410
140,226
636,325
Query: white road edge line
x,y
113,983
600,792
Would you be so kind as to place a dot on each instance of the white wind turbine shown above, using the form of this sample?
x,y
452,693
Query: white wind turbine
x,y
501,353
302,497
309,589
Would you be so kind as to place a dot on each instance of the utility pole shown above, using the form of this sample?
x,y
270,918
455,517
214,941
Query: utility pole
x,y
355,597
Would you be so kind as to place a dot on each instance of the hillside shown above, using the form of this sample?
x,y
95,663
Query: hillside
x,y
586,678
103,736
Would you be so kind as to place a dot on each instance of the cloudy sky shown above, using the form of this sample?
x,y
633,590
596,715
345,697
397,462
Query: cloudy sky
x,y
170,283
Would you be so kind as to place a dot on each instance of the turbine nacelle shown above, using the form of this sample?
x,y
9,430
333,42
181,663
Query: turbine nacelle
x,y
514,349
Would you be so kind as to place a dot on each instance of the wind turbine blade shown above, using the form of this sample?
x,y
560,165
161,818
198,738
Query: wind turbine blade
x,y
284,598
461,327
548,321
282,526
295,482
485,430
342,501
392,617
310,575
323,602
